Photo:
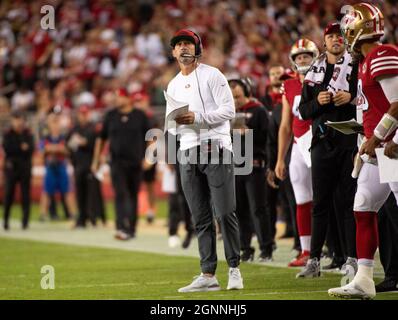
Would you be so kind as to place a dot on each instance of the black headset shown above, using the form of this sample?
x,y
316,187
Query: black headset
x,y
245,84
198,46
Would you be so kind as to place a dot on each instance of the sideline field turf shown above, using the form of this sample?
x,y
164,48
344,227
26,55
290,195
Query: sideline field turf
x,y
94,273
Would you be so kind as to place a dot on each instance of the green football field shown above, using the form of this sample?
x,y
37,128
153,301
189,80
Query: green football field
x,y
90,264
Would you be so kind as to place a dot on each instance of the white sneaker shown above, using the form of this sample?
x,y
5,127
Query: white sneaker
x,y
201,284
174,241
363,288
235,281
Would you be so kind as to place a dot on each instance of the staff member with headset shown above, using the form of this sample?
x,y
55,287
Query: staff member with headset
x,y
125,127
251,206
205,130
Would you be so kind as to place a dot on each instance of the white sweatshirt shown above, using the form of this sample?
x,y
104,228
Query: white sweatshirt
x,y
213,114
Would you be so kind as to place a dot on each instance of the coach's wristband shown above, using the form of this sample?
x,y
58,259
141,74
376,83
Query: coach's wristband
x,y
385,127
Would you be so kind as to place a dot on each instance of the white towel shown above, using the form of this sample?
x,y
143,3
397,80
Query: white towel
x,y
341,73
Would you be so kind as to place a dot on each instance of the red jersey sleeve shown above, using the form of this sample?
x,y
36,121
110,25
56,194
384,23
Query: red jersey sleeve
x,y
384,61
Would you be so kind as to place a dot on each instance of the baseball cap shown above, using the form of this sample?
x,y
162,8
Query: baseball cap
x,y
332,27
183,34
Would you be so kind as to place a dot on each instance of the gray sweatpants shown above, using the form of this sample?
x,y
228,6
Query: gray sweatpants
x,y
208,186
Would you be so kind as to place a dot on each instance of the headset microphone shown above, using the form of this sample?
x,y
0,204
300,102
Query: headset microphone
x,y
188,55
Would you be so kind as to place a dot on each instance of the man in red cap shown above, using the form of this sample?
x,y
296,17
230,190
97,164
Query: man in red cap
x,y
125,127
205,132
329,88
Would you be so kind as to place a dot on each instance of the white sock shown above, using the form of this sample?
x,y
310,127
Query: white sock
x,y
366,262
364,271
305,242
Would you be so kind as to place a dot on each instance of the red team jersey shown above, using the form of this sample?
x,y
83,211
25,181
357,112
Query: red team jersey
x,y
293,95
381,61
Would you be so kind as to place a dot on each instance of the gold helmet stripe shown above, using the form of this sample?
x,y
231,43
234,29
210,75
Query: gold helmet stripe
x,y
375,14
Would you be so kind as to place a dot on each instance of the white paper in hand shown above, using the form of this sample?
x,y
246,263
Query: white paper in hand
x,y
347,127
388,168
174,108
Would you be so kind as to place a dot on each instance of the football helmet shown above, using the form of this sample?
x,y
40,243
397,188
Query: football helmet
x,y
303,46
362,21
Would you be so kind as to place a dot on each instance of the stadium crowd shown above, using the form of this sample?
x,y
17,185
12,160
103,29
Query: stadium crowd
x,y
100,45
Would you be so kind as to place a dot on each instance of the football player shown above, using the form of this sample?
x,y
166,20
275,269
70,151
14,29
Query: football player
x,y
363,26
302,54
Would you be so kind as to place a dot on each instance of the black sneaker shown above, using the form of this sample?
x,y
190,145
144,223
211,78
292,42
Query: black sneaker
x,y
265,257
387,285
336,263
150,217
247,255
6,226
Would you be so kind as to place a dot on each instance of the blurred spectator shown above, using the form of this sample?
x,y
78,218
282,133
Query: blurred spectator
x,y
81,142
56,177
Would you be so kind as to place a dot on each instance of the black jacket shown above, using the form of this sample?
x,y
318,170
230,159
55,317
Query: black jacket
x,y
257,119
12,142
83,155
126,134
310,109
272,137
